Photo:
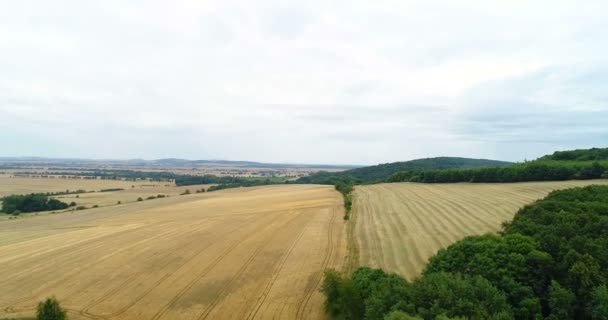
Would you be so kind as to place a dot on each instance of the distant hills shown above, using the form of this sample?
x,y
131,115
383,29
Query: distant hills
x,y
382,172
168,162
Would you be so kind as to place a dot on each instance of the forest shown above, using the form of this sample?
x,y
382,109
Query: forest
x,y
550,262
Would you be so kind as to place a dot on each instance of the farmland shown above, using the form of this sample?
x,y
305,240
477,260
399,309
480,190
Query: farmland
x,y
17,185
247,253
399,226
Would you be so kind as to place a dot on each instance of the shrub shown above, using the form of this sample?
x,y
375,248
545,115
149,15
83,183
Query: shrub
x,y
95,206
81,208
72,204
140,199
50,310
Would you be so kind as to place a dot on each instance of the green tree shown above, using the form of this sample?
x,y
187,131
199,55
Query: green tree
x,y
599,304
50,310
343,300
400,315
561,302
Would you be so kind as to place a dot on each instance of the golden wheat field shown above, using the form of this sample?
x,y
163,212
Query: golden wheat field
x,y
247,253
399,226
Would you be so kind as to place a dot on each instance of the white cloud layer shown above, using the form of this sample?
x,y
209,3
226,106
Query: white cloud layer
x,y
317,81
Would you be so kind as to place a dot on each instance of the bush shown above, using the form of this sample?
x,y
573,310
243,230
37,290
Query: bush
x,y
140,199
50,310
95,206
72,204
343,298
81,208
150,198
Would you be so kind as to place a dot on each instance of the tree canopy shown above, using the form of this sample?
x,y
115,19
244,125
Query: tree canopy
x,y
30,203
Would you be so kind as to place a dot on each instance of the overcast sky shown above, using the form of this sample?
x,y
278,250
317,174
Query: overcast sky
x,y
350,82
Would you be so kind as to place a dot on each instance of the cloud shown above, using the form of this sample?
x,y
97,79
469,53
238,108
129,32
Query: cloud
x,y
339,82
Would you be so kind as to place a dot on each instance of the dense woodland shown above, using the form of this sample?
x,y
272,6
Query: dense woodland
x,y
561,165
550,262
16,204
381,172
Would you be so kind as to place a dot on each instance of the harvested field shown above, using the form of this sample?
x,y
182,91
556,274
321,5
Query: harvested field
x,y
247,253
11,185
399,226
128,195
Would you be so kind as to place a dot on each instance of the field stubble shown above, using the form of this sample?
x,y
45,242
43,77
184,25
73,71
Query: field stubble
x,y
248,253
399,226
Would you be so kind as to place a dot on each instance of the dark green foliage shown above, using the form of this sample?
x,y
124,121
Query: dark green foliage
x,y
471,297
50,310
599,303
380,292
376,294
343,298
512,263
561,302
381,172
30,203
400,315
530,171
140,199
593,154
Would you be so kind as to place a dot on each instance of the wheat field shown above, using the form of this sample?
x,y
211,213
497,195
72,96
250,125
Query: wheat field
x,y
247,253
399,226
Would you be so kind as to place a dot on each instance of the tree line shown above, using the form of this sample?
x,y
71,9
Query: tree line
x,y
346,189
541,170
550,262
380,173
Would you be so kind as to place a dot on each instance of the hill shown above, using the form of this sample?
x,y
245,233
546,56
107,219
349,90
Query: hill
x,y
381,172
582,164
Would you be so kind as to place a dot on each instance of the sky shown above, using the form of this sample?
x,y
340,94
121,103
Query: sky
x,y
333,82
